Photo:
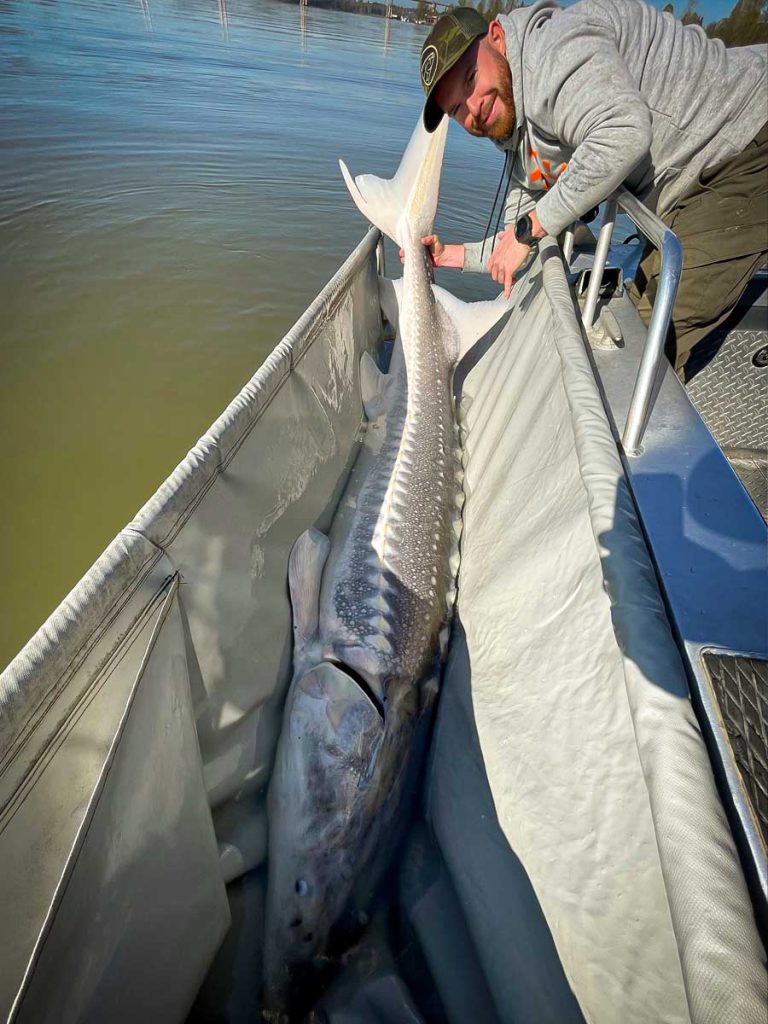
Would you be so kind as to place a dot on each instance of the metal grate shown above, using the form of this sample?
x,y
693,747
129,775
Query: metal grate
x,y
731,392
752,468
741,688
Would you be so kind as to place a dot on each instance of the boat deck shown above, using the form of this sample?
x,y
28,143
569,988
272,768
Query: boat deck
x,y
728,384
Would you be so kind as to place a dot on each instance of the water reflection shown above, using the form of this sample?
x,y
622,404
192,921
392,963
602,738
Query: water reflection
x,y
223,20
147,14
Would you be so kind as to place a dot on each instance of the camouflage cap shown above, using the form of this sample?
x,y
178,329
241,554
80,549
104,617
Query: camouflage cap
x,y
451,37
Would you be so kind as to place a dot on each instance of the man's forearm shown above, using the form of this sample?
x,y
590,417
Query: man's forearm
x,y
451,256
471,254
477,254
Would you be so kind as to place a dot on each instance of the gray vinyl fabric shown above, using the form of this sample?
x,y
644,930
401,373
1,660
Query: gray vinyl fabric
x,y
569,788
145,872
82,712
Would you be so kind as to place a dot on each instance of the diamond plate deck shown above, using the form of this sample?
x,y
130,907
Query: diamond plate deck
x,y
730,391
741,687
752,467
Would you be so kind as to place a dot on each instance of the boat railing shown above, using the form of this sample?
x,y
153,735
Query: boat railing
x,y
671,256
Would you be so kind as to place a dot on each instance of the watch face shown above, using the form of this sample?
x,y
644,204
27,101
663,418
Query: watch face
x,y
523,230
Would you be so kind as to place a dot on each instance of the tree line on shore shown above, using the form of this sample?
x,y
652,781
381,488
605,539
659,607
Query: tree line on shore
x,y
746,25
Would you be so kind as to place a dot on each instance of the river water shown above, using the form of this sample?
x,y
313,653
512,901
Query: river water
x,y
170,202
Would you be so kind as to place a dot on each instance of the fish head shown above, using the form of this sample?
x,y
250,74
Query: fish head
x,y
319,804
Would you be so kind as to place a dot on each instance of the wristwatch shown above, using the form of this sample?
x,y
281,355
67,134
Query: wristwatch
x,y
524,231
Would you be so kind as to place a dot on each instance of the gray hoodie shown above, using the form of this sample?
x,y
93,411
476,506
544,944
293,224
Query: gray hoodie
x,y
613,91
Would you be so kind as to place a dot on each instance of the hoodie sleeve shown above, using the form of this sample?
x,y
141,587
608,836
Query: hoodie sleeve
x,y
579,90
476,254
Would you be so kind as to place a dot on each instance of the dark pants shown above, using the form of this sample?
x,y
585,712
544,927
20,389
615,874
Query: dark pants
x,y
723,229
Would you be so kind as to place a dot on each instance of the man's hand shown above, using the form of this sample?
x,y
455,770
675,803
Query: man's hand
x,y
509,254
506,259
439,254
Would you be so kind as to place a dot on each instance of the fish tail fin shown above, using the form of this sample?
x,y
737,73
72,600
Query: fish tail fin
x,y
411,195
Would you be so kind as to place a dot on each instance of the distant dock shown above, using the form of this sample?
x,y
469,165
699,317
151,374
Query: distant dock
x,y
424,13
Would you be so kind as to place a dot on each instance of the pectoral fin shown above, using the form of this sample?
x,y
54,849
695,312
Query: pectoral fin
x,y
305,571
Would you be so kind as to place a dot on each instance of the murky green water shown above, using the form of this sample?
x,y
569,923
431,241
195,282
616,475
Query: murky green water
x,y
170,203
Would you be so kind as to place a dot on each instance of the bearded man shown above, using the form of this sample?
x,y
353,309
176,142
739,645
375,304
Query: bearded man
x,y
604,93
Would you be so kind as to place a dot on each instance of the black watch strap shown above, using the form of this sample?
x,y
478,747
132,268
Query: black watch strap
x,y
524,231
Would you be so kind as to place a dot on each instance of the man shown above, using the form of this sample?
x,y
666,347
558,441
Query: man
x,y
602,93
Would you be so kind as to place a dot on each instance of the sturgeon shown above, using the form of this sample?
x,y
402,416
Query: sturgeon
x,y
371,601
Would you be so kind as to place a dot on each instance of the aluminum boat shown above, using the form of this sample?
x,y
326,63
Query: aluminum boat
x,y
589,834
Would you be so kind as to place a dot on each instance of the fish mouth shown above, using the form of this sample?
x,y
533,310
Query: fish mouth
x,y
299,966
291,972
289,996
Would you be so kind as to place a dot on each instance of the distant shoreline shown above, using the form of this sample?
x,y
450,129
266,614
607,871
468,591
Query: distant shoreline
x,y
377,10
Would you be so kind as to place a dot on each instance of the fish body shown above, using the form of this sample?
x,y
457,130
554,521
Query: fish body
x,y
371,601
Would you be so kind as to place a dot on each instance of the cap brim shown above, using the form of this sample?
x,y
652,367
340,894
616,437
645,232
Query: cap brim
x,y
433,115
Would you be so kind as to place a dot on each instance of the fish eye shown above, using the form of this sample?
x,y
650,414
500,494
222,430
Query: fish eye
x,y
302,887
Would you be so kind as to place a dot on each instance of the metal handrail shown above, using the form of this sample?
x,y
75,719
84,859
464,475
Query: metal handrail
x,y
601,256
651,361
568,240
